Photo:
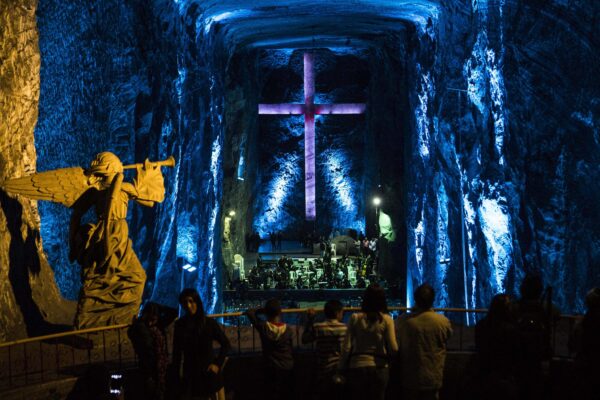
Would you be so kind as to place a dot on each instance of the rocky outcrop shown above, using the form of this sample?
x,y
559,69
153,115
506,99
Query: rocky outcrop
x,y
30,301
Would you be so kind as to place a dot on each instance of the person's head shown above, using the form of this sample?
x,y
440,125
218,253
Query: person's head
x,y
190,301
374,302
272,309
334,309
424,296
501,308
150,314
592,300
532,287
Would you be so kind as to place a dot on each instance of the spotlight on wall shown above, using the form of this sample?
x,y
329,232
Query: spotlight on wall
x,y
189,268
376,201
232,213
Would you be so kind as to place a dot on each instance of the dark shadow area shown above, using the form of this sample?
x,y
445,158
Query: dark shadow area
x,y
24,260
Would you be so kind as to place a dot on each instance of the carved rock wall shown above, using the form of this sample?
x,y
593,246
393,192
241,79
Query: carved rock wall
x,y
30,303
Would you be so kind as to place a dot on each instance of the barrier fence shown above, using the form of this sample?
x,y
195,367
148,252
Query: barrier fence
x,y
58,356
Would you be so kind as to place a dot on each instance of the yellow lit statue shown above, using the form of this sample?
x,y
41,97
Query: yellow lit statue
x,y
112,276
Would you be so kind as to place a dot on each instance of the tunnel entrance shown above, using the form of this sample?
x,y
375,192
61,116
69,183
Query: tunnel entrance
x,y
268,239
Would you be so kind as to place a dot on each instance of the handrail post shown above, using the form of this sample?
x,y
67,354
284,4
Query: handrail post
x,y
239,335
297,331
25,365
57,357
41,363
253,340
104,345
120,348
460,337
89,350
9,367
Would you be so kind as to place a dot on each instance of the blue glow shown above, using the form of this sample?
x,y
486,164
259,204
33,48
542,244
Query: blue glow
x,y
344,190
182,73
469,214
425,92
475,72
187,238
497,95
443,246
242,160
273,216
494,219
419,238
215,169
166,215
216,18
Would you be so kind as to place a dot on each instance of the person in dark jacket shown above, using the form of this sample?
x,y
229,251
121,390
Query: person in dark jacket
x,y
536,317
276,338
585,342
193,339
498,350
147,334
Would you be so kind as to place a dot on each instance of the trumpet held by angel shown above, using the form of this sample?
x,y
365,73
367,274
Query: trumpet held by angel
x,y
112,276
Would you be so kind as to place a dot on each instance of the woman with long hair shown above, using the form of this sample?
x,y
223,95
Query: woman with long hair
x,y
193,339
147,334
369,343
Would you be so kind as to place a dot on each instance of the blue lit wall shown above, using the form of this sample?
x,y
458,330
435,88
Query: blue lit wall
x,y
128,77
341,77
499,153
489,140
84,105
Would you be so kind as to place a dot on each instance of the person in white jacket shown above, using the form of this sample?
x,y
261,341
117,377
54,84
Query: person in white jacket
x,y
423,335
369,343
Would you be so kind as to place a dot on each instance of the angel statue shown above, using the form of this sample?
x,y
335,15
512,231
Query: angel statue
x,y
112,276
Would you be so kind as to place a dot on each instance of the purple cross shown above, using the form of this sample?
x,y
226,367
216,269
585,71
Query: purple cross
x,y
310,109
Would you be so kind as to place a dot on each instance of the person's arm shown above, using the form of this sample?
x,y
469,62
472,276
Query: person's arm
x,y
448,327
390,336
220,337
308,336
254,320
347,345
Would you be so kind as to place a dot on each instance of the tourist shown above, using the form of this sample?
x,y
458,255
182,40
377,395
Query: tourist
x,y
276,339
147,334
369,343
535,320
585,342
328,337
193,339
423,334
498,348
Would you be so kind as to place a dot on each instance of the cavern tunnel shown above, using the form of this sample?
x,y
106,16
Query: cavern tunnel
x,y
479,131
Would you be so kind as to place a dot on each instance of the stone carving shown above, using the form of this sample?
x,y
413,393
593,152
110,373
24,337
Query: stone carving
x,y
112,276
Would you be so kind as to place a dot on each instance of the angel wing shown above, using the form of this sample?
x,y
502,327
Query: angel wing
x,y
63,185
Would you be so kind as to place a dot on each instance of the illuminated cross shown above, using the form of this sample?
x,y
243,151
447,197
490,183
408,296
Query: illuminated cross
x,y
310,109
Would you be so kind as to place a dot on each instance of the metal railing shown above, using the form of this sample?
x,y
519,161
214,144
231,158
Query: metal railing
x,y
58,356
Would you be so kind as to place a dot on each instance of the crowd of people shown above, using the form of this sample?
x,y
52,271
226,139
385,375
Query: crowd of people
x,y
354,359
514,346
317,273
